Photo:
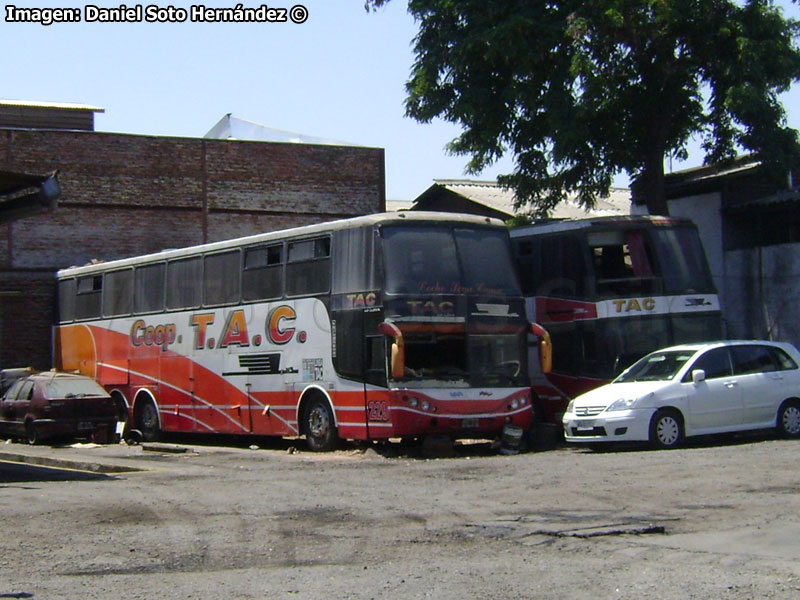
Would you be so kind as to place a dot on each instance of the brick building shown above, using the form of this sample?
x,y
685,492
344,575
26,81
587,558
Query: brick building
x,y
124,195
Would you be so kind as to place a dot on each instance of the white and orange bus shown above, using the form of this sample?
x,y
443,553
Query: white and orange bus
x,y
610,290
391,325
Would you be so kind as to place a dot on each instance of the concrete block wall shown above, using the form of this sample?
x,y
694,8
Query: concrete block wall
x,y
125,195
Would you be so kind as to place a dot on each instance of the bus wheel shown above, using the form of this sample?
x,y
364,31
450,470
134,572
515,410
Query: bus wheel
x,y
319,426
147,421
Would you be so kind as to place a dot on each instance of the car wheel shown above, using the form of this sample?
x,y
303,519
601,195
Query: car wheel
x,y
147,421
319,426
31,435
666,429
789,419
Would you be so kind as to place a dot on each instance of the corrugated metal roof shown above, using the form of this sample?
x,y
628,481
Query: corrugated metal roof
x,y
491,194
783,199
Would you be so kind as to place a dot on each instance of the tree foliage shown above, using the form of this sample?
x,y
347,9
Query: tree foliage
x,y
579,91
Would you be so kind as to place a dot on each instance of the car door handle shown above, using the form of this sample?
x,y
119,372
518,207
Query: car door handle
x,y
731,384
777,377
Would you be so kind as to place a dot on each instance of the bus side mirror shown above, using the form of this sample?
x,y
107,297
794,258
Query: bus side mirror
x,y
398,355
545,347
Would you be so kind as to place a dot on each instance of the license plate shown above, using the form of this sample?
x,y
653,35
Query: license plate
x,y
469,423
585,426
84,425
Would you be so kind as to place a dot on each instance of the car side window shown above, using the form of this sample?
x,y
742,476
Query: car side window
x,y
13,391
26,392
785,361
716,363
753,359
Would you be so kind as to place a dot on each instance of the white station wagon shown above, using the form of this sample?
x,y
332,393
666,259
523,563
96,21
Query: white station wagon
x,y
693,389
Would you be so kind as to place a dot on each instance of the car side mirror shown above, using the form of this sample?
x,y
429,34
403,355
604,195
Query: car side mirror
x,y
698,375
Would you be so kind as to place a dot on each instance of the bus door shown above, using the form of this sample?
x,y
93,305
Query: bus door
x,y
234,395
359,357
376,401
176,393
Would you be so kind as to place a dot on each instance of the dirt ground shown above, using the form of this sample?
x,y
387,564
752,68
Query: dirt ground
x,y
717,519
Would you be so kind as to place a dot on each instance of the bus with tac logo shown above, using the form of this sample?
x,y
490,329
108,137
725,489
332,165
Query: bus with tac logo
x,y
610,290
395,325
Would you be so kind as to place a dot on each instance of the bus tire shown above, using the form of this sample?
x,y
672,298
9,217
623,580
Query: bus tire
x,y
319,426
122,412
147,420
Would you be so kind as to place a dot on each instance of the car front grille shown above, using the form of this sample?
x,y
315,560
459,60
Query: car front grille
x,y
588,411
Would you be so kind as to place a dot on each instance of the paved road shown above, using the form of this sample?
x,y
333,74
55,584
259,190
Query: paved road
x,y
714,520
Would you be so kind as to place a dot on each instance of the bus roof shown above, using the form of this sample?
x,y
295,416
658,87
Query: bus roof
x,y
295,232
621,221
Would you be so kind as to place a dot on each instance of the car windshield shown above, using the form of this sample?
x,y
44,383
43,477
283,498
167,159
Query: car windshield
x,y
658,366
72,388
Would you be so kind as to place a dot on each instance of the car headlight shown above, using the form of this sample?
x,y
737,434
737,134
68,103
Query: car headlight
x,y
622,404
570,406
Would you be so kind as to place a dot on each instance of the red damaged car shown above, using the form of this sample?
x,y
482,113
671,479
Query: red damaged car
x,y
50,404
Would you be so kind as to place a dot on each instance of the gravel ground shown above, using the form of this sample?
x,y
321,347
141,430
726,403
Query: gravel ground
x,y
718,519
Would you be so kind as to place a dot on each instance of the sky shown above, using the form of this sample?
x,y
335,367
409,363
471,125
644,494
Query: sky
x,y
339,75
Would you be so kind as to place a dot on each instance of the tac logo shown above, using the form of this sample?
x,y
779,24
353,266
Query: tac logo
x,y
279,329
635,305
430,308
279,325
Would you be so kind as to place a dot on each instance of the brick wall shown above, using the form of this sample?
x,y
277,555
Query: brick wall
x,y
124,195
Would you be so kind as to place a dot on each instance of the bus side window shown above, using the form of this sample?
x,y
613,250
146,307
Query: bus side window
x,y
149,284
262,273
184,283
87,301
308,269
67,290
562,267
376,359
221,278
118,293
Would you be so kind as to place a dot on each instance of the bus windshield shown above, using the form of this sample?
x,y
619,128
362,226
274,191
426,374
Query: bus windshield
x,y
443,356
682,259
446,260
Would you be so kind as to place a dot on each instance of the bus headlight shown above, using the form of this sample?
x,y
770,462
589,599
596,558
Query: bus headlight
x,y
426,405
514,404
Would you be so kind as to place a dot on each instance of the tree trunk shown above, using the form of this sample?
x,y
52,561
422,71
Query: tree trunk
x,y
651,180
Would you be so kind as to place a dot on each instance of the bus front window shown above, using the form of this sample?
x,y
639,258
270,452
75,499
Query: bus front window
x,y
684,267
440,260
436,356
448,358
497,360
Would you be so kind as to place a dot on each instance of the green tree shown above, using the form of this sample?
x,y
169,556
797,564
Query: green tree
x,y
580,91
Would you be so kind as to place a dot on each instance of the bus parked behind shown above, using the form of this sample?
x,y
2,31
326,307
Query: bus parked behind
x,y
610,290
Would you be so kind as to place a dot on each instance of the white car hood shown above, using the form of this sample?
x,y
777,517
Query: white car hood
x,y
611,392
